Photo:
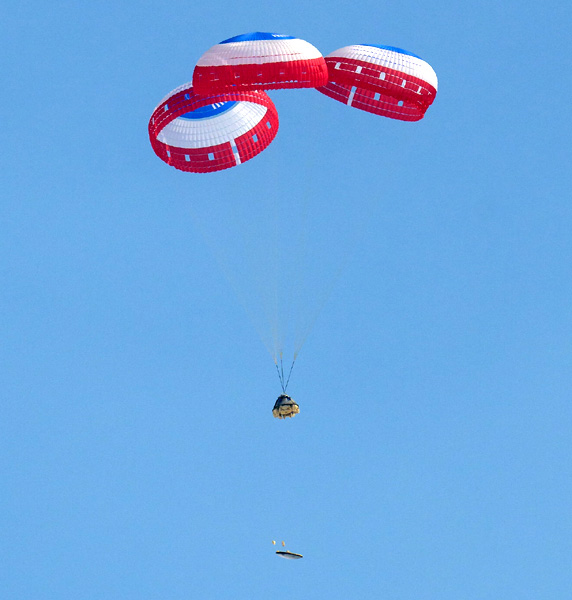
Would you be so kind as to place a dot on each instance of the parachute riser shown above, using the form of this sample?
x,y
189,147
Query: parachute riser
x,y
284,381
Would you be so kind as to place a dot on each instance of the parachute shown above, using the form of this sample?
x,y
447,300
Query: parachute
x,y
281,274
259,60
383,80
202,134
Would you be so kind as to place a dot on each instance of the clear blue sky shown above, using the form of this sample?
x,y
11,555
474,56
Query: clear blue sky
x,y
431,459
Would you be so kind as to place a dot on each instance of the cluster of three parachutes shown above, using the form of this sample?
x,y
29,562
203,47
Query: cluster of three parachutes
x,y
224,117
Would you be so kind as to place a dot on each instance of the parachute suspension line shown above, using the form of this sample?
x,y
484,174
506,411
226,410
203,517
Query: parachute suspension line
x,y
282,373
289,374
284,381
280,376
223,260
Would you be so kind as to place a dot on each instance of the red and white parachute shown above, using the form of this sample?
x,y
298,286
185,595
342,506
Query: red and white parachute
x,y
202,134
261,61
383,80
225,118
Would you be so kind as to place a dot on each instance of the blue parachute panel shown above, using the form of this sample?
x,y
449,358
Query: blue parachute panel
x,y
257,35
209,111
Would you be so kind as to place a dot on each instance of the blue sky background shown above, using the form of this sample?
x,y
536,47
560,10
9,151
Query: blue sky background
x,y
431,458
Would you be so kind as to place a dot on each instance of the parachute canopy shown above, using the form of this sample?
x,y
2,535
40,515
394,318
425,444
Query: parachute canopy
x,y
202,134
259,60
285,407
383,80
